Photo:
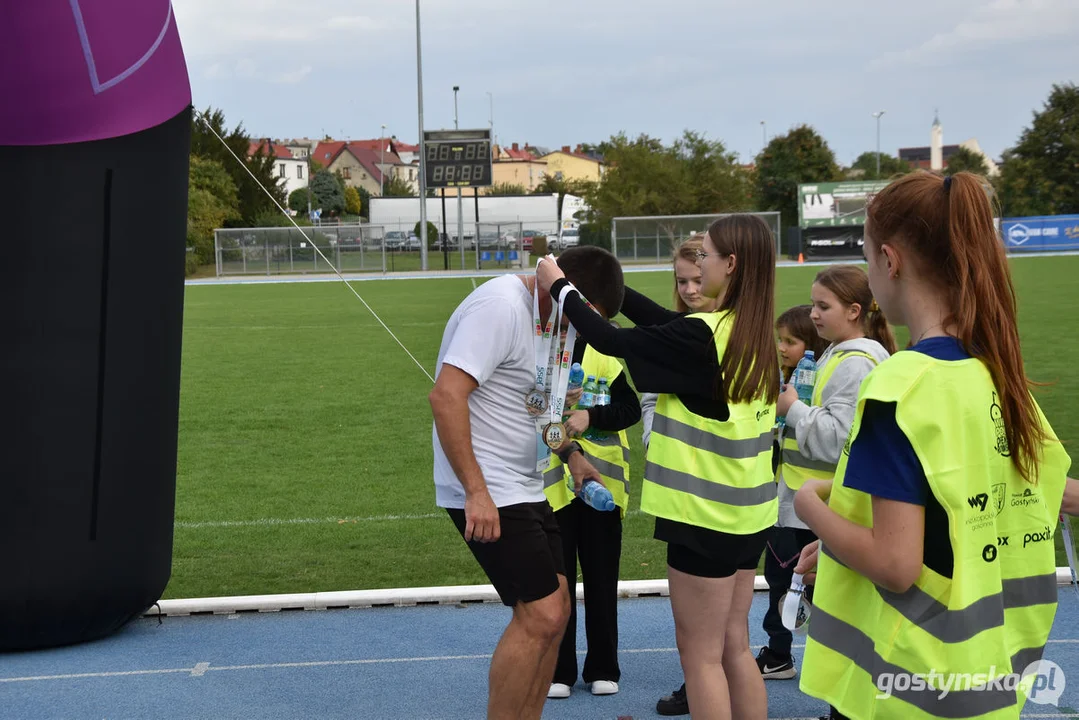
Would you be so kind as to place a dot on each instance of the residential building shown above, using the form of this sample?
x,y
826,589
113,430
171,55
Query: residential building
x,y
573,164
358,165
517,166
292,170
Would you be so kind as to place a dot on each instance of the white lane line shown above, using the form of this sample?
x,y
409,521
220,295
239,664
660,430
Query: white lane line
x,y
200,669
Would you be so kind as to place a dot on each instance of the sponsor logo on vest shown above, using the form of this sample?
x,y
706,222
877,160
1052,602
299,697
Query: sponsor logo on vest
x,y
1025,499
1036,537
1000,494
1043,682
764,413
850,439
983,517
1002,540
996,414
989,553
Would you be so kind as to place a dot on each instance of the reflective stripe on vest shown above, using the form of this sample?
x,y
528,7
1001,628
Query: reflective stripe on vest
x,y
609,455
710,473
954,626
797,468
993,616
848,641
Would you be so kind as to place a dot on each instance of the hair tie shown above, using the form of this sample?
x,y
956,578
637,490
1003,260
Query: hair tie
x,y
873,307
947,184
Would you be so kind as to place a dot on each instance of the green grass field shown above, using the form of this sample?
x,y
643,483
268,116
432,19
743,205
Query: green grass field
x,y
305,433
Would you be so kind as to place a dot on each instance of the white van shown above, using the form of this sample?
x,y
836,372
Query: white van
x,y
569,237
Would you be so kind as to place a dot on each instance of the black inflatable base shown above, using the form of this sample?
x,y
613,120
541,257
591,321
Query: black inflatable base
x,y
93,253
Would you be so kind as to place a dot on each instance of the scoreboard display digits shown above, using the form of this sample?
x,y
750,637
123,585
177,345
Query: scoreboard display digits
x,y
458,158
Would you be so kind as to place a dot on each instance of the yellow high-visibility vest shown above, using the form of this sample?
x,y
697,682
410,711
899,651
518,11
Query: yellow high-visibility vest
x,y
711,473
993,616
609,455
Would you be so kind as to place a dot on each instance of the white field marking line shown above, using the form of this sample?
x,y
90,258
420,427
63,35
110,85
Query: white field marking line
x,y
350,326
270,522
308,238
200,669
473,283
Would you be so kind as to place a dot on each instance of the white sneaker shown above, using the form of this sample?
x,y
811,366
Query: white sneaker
x,y
603,687
559,691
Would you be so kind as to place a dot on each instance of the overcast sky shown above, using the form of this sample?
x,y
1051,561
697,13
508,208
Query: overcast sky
x,y
563,72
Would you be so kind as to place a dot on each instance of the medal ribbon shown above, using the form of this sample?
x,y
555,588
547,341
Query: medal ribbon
x,y
560,380
546,351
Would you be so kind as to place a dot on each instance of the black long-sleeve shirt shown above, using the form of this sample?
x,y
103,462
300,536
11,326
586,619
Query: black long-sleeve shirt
x,y
625,408
667,352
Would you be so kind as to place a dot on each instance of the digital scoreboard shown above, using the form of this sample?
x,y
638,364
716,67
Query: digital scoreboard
x,y
457,158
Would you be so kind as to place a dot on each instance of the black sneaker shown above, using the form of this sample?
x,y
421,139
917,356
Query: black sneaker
x,y
674,704
774,667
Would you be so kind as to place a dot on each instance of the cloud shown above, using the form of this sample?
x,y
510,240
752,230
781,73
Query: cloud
x,y
999,22
294,76
354,22
246,68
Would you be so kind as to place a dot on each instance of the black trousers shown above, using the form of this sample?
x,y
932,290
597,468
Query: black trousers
x,y
780,557
596,538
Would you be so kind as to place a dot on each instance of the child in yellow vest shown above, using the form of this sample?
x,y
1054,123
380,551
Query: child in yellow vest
x,y
796,334
687,299
948,458
846,316
592,535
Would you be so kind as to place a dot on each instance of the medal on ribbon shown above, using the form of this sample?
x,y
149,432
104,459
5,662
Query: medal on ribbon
x,y
536,402
554,434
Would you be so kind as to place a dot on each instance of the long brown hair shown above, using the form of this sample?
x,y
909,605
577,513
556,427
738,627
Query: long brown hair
x,y
947,225
798,323
687,250
850,285
748,368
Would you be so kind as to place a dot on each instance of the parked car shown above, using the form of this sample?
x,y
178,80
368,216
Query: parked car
x,y
395,239
570,237
413,242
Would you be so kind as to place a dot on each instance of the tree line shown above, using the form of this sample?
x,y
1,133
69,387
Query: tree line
x,y
645,176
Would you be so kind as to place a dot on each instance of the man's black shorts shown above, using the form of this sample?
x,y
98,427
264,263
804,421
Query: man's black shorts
x,y
526,560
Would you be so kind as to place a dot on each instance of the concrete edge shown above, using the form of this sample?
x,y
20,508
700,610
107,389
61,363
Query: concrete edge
x,y
400,597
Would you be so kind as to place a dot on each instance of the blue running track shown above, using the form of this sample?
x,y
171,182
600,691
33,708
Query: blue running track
x,y
423,663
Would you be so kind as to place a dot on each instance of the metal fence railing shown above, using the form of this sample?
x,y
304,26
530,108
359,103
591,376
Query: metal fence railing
x,y
372,248
653,238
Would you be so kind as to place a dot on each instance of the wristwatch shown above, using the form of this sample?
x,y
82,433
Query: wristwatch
x,y
565,454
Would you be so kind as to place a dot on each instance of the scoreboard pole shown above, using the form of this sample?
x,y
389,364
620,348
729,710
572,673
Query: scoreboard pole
x,y
423,149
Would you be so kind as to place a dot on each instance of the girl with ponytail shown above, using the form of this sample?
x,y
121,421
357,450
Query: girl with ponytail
x,y
949,456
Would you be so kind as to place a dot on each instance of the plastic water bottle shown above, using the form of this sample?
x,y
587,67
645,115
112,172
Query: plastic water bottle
x,y
576,376
805,377
588,393
596,496
602,398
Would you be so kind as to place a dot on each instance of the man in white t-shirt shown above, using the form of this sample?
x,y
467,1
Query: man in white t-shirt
x,y
485,448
